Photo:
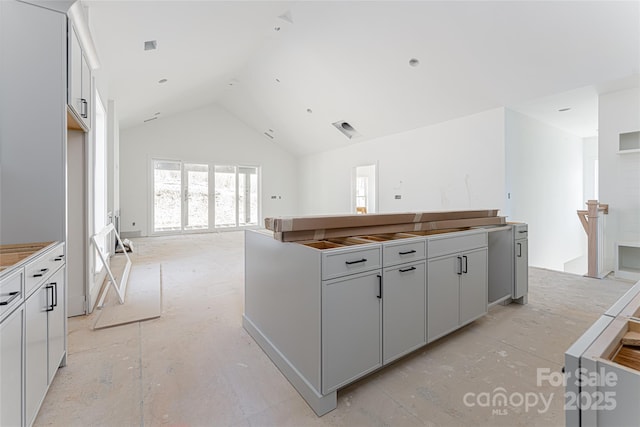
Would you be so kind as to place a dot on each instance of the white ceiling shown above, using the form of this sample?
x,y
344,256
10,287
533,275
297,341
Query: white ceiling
x,y
349,60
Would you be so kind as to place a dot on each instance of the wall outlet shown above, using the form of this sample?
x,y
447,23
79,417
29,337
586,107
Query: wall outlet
x,y
398,196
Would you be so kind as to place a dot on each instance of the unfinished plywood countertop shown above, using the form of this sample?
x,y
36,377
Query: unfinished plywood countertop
x,y
15,254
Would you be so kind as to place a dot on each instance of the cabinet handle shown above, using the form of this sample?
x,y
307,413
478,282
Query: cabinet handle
x,y
522,231
379,286
407,252
355,262
519,249
49,306
58,258
55,294
407,269
12,295
459,272
85,108
42,271
466,264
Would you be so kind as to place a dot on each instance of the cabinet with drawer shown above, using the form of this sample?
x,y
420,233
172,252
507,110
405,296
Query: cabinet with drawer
x,y
32,328
332,311
41,268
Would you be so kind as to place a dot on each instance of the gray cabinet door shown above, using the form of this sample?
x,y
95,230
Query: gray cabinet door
x,y
521,286
404,310
36,350
473,286
443,282
56,322
351,329
11,369
75,73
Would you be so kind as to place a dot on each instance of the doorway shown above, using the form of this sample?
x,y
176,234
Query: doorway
x,y
365,189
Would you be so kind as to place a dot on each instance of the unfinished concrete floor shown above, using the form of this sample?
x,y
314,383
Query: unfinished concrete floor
x,y
196,366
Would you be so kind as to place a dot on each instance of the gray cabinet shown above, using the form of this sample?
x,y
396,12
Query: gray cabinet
x,y
45,340
330,312
11,359
79,80
521,264
443,295
351,328
37,355
457,290
473,286
404,309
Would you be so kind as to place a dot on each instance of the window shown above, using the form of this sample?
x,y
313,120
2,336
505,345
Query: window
x,y
182,200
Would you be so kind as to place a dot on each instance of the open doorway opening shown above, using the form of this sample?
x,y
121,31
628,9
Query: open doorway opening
x,y
365,189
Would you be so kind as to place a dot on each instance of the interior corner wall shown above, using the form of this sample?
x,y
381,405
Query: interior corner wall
x,y
458,164
544,167
206,135
619,174
589,158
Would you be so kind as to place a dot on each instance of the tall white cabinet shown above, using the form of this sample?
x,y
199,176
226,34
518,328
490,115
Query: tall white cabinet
x,y
33,190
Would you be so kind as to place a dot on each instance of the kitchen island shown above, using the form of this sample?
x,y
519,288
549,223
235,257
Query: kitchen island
x,y
329,312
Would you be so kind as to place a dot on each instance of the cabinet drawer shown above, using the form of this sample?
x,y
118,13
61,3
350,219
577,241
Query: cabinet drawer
x,y
41,268
452,244
398,253
339,263
11,294
520,231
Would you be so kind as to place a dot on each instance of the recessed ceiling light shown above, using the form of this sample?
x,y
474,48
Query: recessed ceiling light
x,y
277,80
276,28
414,62
150,45
562,110
161,81
309,110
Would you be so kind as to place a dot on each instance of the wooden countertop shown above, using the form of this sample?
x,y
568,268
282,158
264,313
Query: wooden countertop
x,y
12,255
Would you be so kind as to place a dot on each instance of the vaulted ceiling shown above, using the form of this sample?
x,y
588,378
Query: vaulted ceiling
x,y
291,69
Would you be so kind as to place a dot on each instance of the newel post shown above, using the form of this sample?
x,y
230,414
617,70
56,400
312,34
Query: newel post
x,y
592,221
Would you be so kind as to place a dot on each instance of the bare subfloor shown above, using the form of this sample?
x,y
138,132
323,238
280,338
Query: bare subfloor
x,y
196,365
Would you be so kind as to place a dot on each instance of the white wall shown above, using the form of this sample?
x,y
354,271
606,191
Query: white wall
x,y
619,112
453,165
544,180
589,157
206,135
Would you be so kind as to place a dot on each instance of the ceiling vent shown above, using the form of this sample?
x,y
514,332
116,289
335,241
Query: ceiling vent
x,y
151,45
346,129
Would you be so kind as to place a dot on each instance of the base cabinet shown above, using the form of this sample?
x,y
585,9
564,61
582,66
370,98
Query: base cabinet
x,y
521,280
404,310
36,368
11,360
351,344
32,336
457,284
330,312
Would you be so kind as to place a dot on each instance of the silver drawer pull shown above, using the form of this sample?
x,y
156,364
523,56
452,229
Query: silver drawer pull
x,y
13,295
407,252
356,262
